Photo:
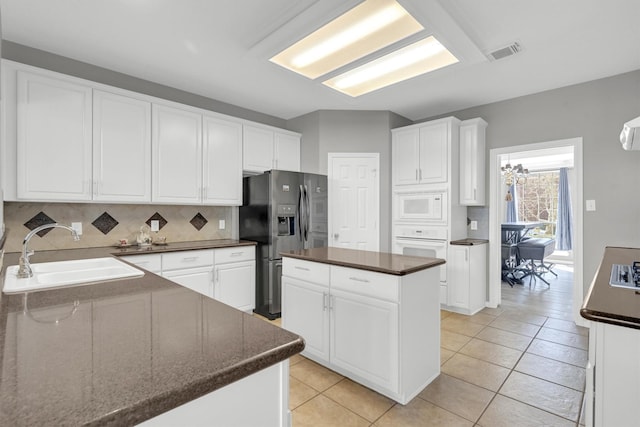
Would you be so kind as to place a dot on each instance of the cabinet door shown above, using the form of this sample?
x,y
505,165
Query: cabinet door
x,y
53,139
405,156
305,312
222,162
287,152
458,276
353,318
196,279
434,158
235,284
121,148
257,149
177,155
472,158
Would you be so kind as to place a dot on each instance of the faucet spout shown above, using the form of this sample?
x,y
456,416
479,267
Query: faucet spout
x,y
24,270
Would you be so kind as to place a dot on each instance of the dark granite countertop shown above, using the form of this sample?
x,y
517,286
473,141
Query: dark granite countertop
x,y
609,304
121,352
381,262
469,242
179,246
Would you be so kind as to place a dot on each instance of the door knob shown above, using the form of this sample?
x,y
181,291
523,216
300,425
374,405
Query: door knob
x,y
335,236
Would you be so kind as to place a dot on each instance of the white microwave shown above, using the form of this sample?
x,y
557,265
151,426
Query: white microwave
x,y
421,207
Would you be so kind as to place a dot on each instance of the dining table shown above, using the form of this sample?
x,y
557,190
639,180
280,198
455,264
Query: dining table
x,y
514,232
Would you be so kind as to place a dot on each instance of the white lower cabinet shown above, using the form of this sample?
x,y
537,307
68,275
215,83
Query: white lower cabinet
x,y
613,376
467,278
226,274
235,276
380,330
362,327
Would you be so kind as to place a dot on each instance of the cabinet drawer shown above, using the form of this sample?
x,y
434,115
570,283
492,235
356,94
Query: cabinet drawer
x,y
150,262
368,283
306,270
237,253
187,259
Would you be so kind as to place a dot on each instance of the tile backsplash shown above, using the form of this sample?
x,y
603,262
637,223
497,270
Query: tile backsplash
x,y
106,224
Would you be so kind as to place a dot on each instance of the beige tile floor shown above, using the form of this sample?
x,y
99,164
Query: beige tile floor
x,y
521,364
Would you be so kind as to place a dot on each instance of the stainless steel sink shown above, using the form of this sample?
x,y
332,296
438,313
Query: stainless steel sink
x,y
50,275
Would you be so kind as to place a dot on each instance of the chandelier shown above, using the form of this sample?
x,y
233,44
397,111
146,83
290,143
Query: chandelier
x,y
513,175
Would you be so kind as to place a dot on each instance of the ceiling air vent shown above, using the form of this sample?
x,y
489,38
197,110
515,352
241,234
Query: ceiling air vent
x,y
503,52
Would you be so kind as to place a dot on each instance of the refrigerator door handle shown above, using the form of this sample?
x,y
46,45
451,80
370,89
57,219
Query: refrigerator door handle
x,y
307,219
300,213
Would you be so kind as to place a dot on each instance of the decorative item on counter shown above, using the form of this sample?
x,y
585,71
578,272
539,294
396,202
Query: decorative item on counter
x,y
123,242
144,238
160,241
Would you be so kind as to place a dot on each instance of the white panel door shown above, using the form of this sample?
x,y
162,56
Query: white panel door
x,y
354,201
53,140
121,148
434,158
177,155
405,157
287,152
222,162
373,356
257,149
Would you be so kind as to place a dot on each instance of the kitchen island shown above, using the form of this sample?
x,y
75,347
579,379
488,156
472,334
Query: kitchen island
x,y
126,351
613,372
371,316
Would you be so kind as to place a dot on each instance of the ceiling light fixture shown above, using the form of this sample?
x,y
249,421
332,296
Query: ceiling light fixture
x,y
417,58
368,27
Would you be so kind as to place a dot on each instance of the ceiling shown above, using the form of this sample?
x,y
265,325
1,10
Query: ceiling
x,y
220,48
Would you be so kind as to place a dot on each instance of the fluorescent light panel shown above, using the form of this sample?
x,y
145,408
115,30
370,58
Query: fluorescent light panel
x,y
415,59
368,27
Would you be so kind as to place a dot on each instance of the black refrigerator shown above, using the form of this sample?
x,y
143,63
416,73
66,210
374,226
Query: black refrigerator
x,y
281,211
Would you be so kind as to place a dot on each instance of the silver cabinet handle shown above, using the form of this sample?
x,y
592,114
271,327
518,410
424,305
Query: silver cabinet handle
x,y
190,259
301,268
335,236
236,254
324,301
357,279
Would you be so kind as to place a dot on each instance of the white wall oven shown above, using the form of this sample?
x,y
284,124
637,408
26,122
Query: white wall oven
x,y
422,206
424,241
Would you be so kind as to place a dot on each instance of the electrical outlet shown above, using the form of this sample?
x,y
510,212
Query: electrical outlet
x,y
591,205
221,224
474,225
78,227
155,225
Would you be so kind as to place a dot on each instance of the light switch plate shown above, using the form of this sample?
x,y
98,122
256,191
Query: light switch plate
x,y
221,224
591,205
155,225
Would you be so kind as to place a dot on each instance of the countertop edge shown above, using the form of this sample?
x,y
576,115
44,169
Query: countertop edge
x,y
403,272
157,405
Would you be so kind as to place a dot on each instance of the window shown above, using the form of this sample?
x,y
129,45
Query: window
x,y
538,201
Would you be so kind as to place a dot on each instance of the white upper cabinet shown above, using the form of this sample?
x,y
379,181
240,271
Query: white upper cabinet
x,y
265,149
121,148
434,159
177,155
287,152
406,161
222,161
53,152
257,149
472,162
421,153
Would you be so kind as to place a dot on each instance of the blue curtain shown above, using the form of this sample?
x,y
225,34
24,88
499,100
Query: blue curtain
x,y
564,226
512,206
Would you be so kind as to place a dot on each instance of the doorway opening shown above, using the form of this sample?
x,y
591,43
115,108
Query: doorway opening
x,y
536,204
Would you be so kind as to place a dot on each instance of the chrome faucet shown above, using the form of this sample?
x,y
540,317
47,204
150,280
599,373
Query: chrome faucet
x,y
25,268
